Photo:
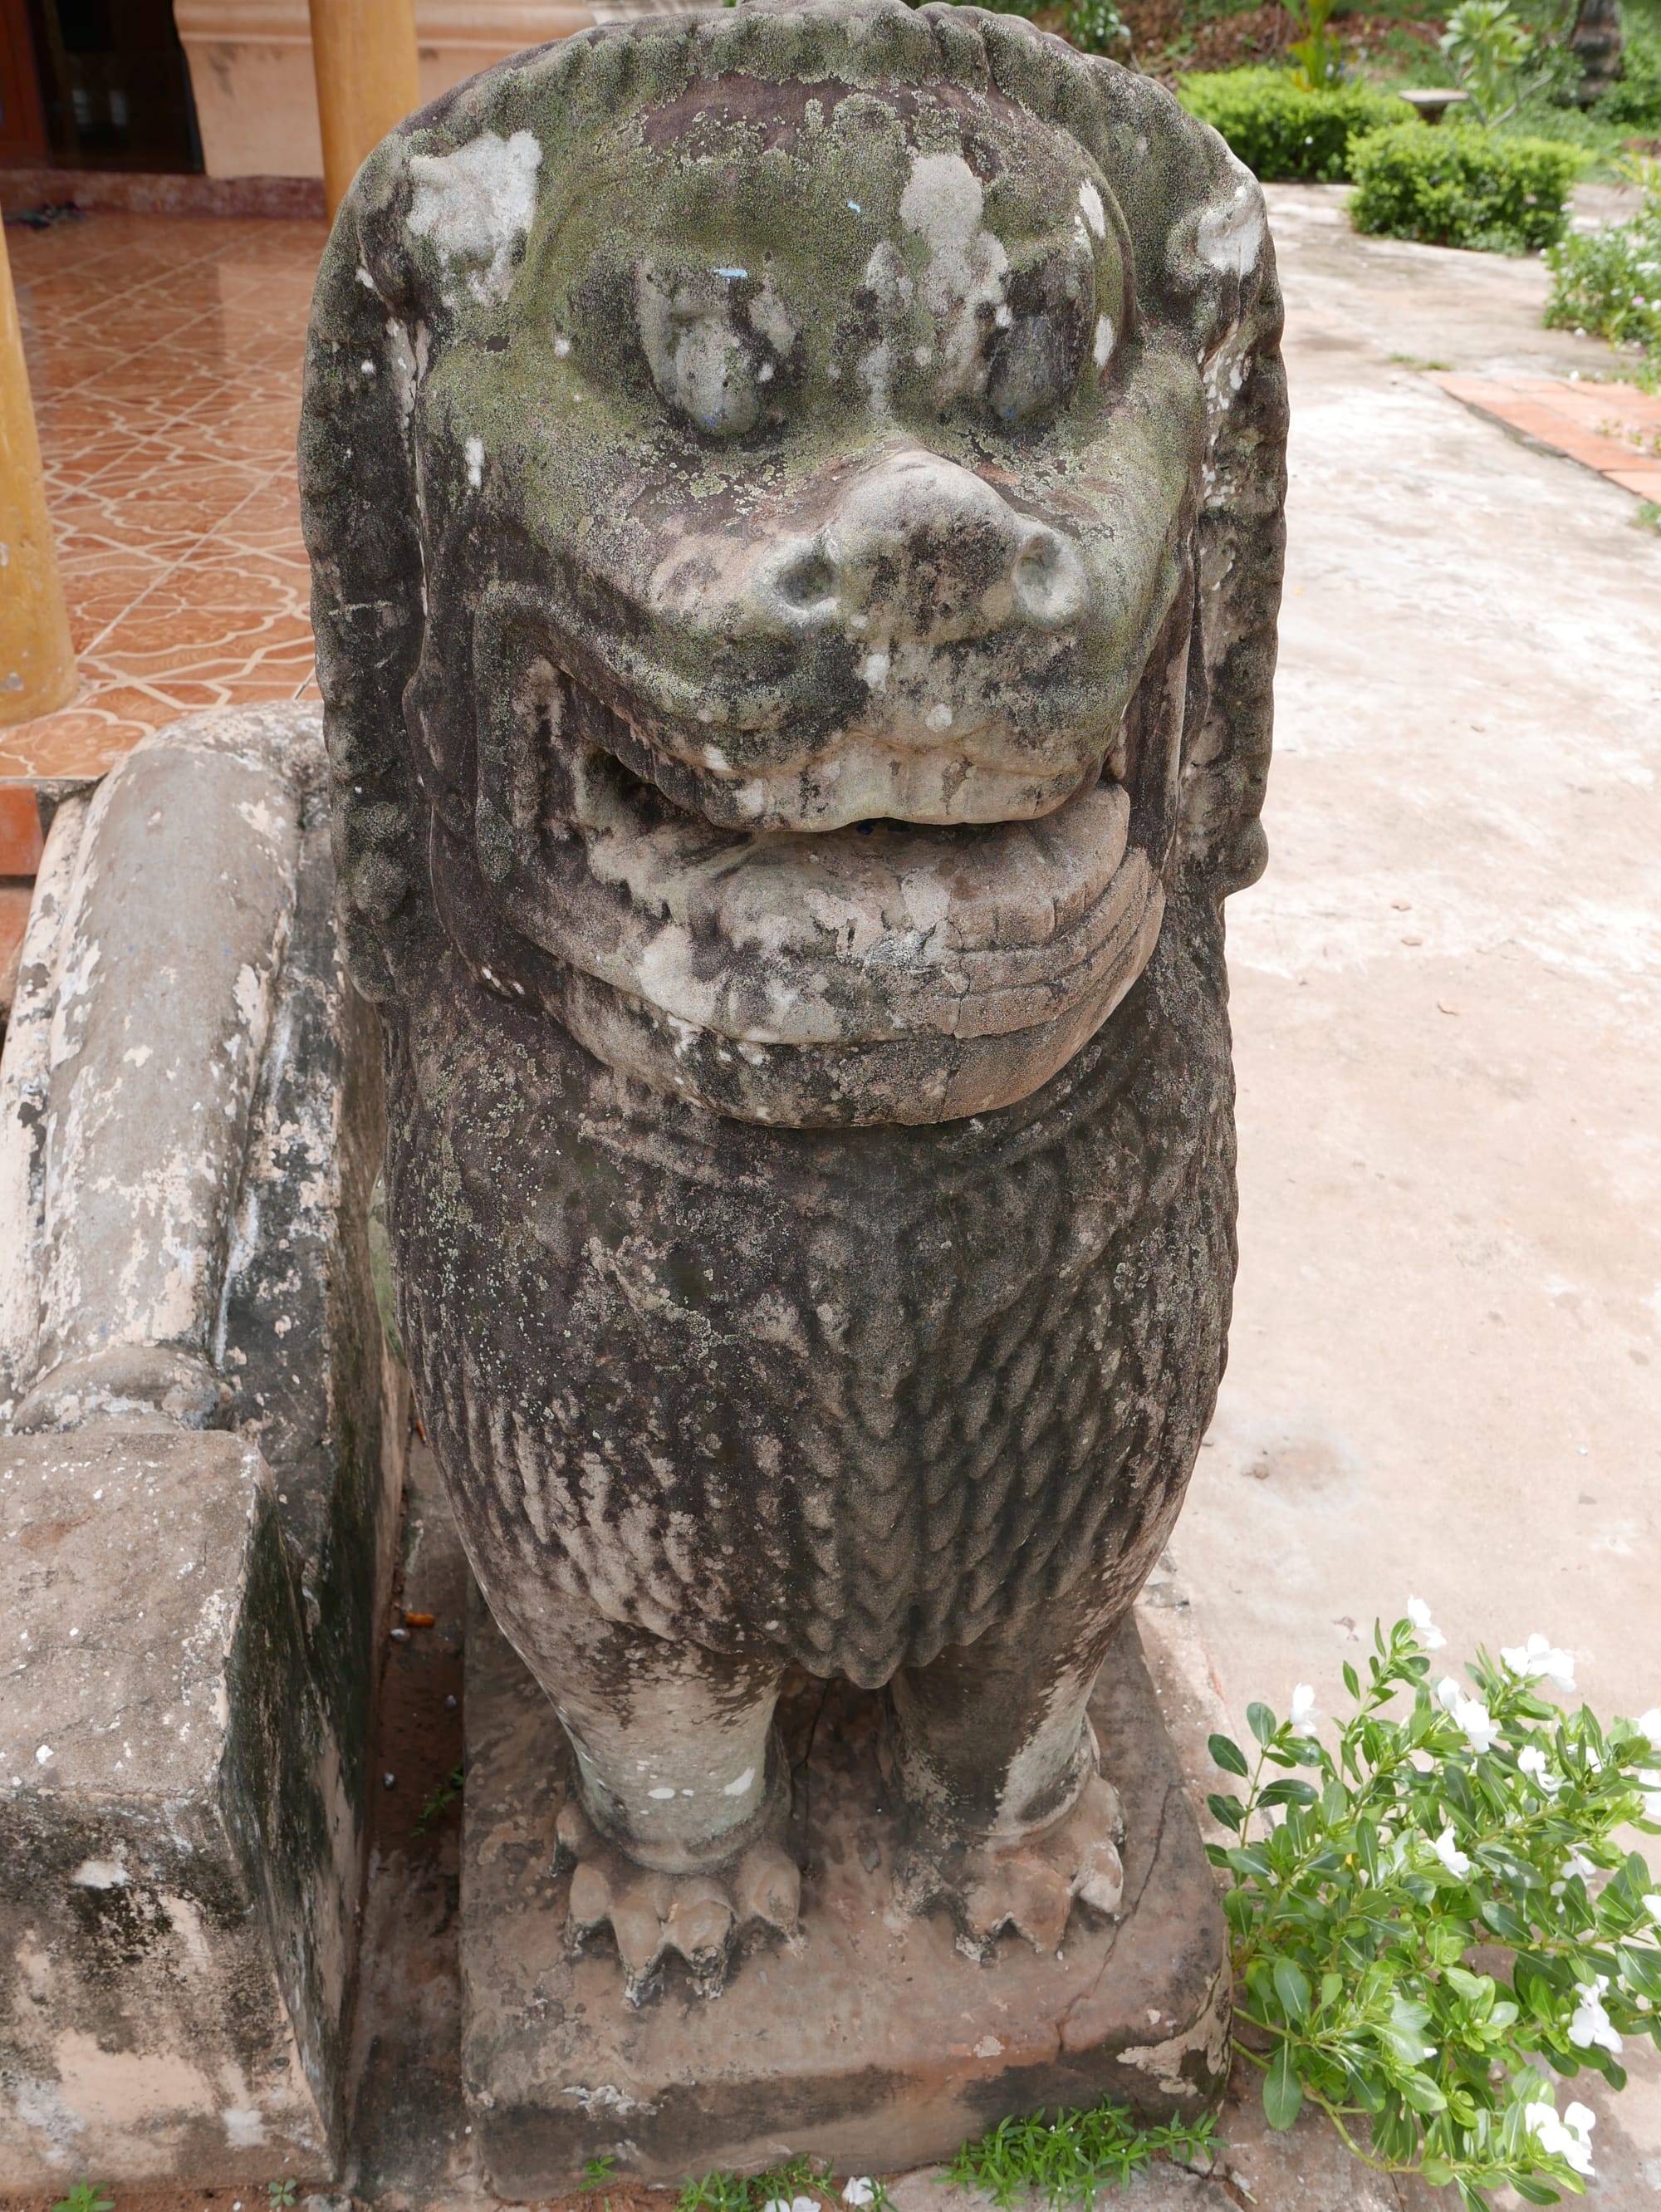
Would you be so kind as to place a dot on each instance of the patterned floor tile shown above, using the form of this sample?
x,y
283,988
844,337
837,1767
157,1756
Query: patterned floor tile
x,y
166,354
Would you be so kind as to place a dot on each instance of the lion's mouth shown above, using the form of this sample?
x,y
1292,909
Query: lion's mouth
x,y
872,931
759,969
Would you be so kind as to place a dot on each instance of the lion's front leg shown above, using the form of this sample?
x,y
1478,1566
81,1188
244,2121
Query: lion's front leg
x,y
679,1794
1011,1821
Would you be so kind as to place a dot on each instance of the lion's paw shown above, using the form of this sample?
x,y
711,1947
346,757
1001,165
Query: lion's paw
x,y
1031,1887
705,1916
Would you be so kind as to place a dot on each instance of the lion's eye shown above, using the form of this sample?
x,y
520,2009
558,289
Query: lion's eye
x,y
1033,362
713,377
714,340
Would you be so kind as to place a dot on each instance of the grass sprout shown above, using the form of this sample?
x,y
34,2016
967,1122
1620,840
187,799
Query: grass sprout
x,y
1071,2158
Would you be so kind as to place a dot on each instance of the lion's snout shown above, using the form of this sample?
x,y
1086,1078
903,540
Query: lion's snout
x,y
918,550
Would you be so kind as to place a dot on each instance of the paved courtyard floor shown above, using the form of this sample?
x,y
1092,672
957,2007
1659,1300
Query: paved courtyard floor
x,y
1445,1376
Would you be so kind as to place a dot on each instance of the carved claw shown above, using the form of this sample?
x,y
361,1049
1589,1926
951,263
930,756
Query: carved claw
x,y
1032,1886
703,1916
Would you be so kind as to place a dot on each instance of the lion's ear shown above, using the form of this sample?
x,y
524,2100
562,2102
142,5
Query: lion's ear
x,y
1241,546
358,505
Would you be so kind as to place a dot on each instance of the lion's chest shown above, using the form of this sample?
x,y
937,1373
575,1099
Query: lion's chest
x,y
848,1398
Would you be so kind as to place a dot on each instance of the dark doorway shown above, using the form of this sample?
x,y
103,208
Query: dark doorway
x,y
22,120
113,88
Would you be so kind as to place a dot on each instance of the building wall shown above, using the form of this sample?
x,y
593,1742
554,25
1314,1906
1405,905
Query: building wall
x,y
251,68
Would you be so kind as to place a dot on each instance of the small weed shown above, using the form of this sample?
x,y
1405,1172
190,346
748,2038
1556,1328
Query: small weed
x,y
86,2197
280,2192
1417,362
442,1798
1068,2159
784,2185
1648,516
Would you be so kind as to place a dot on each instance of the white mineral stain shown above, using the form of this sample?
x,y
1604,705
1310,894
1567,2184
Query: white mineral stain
x,y
1231,237
99,1874
476,204
1103,346
967,268
1090,201
474,452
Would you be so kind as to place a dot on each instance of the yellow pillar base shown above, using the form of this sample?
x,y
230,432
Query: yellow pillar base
x,y
364,53
37,664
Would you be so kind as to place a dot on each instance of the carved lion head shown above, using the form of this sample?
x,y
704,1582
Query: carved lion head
x,y
794,496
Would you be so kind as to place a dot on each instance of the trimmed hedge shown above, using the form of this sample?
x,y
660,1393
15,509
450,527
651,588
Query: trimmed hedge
x,y
1282,132
1458,184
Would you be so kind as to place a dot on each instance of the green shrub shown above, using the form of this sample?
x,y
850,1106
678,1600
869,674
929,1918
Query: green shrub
x,y
1633,101
1608,280
1282,130
1461,185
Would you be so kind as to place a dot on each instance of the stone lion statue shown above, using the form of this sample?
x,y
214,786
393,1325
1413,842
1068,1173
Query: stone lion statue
x,y
795,500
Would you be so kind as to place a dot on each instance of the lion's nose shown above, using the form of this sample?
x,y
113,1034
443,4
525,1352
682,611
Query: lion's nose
x,y
919,548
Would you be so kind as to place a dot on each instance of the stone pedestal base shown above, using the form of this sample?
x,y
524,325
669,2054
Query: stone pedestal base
x,y
873,2046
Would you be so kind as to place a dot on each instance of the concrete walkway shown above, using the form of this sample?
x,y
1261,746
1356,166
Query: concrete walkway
x,y
1445,1373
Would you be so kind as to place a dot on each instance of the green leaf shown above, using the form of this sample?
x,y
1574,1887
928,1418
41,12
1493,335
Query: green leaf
x,y
1510,1927
1421,2093
1437,2172
1366,1848
1292,1987
1261,1722
1288,1793
1239,1912
1352,1682
1641,1971
1228,1755
1534,2193
1228,1810
1282,2092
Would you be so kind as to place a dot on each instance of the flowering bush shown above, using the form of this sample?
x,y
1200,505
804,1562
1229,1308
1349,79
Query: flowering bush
x,y
1608,280
1440,1917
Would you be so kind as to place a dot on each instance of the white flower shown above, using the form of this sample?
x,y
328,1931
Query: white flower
x,y
1569,2138
1532,1760
1448,1694
1449,1853
1304,1712
859,2191
1429,1635
1590,2023
1472,1716
1577,1863
1649,1724
1652,1905
1647,1775
1539,1656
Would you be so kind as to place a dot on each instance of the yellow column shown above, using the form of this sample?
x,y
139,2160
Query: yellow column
x,y
364,53
36,666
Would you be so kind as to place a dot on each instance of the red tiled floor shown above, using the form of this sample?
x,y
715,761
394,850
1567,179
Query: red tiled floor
x,y
165,356
1614,428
